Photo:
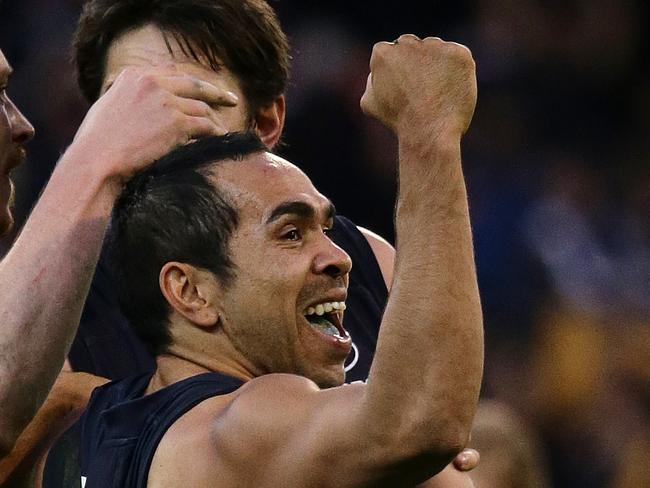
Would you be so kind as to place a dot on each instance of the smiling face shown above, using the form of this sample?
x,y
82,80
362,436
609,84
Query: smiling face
x,y
15,132
146,47
284,308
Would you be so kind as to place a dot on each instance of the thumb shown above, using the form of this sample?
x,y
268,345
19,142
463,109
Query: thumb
x,y
367,102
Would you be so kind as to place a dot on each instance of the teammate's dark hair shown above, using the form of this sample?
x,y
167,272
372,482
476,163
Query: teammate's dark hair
x,y
244,35
173,212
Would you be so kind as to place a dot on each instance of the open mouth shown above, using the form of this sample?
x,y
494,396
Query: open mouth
x,y
326,318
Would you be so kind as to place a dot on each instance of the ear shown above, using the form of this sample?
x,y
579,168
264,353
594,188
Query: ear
x,y
193,293
269,122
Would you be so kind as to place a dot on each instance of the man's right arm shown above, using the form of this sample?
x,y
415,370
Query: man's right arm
x,y
416,411
46,275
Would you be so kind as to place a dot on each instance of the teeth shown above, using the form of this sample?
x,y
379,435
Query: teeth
x,y
323,308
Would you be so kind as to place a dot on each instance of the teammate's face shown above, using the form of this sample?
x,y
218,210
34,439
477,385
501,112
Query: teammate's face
x,y
146,47
286,267
15,132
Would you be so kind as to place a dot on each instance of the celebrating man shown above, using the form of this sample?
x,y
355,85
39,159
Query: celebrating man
x,y
251,286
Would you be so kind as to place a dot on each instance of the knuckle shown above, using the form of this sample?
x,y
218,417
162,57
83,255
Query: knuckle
x,y
408,39
196,83
380,49
146,82
379,52
164,99
463,54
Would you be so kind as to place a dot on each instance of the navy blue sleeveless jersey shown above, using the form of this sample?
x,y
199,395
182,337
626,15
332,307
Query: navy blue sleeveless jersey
x,y
121,429
106,345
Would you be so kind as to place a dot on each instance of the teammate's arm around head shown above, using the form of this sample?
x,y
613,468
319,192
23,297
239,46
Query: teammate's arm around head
x,y
45,276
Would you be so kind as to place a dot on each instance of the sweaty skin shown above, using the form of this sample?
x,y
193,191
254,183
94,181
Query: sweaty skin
x,y
47,272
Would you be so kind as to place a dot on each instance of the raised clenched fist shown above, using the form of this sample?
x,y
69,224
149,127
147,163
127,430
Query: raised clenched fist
x,y
417,84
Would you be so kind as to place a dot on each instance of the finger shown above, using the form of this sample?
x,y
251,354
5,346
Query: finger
x,y
366,101
198,108
190,87
379,53
467,460
407,38
197,127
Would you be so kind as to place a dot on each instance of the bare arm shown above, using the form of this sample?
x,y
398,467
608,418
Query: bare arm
x,y
46,275
64,405
416,411
434,305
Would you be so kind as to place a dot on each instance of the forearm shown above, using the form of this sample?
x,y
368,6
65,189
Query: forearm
x,y
63,406
45,278
425,378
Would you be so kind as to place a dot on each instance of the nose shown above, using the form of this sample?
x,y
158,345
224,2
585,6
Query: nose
x,y
21,130
331,260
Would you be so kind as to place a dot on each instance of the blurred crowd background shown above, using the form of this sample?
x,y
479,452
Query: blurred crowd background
x,y
557,164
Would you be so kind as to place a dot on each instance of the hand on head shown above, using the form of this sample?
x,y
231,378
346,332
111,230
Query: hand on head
x,y
146,113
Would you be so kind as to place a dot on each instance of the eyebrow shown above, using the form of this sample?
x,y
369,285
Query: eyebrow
x,y
300,209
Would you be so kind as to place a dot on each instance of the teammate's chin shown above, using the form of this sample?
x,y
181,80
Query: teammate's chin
x,y
6,221
6,202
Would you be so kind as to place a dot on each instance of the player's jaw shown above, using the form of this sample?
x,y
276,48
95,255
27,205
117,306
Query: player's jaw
x,y
324,344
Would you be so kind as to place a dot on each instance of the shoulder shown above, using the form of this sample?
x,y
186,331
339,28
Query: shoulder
x,y
236,437
274,408
384,254
260,401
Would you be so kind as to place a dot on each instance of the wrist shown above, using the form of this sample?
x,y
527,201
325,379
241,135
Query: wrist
x,y
429,139
430,175
85,167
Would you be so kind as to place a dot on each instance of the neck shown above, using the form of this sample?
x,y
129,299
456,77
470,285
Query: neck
x,y
195,351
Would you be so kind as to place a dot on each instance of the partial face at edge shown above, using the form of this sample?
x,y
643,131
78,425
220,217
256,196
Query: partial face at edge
x,y
15,132
286,266
145,47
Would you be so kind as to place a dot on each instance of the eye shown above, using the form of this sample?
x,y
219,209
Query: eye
x,y
292,235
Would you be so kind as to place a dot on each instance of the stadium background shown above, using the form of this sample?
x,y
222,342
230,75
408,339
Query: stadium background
x,y
557,165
